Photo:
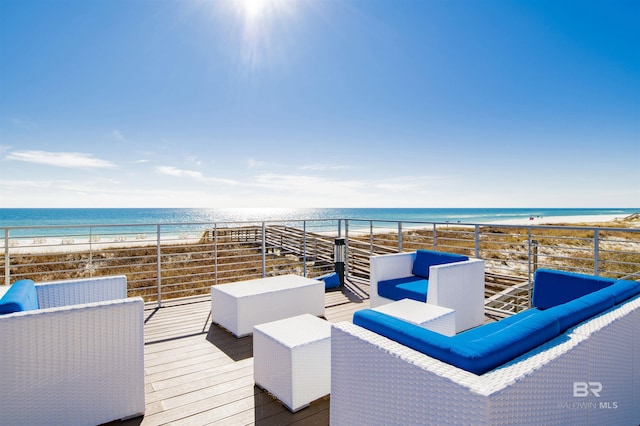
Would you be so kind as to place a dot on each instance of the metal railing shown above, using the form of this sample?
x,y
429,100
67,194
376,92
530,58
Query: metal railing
x,y
165,261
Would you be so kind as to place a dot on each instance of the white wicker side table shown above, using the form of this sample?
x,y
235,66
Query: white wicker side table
x,y
240,305
292,359
435,318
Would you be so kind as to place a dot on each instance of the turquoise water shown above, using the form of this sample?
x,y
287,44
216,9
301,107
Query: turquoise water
x,y
64,217
185,218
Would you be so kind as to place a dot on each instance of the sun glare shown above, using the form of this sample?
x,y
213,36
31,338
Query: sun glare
x,y
254,9
258,10
262,20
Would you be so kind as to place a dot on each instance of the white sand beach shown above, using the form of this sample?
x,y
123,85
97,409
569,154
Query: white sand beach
x,y
70,245
554,220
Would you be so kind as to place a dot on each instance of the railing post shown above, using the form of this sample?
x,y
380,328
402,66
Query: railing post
x,y
534,244
215,253
477,240
158,266
346,248
529,269
399,237
370,238
264,257
91,251
435,237
339,250
596,252
339,228
304,248
7,261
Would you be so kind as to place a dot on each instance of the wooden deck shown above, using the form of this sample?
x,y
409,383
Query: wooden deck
x,y
199,374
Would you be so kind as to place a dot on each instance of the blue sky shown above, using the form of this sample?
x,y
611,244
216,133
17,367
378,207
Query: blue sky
x,y
319,103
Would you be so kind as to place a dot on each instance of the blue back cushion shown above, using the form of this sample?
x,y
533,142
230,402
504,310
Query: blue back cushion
x,y
623,290
479,352
552,288
426,258
404,288
578,310
21,296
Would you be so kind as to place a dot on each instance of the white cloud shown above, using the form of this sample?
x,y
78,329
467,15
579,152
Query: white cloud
x,y
325,167
192,174
408,183
194,159
61,159
174,171
252,163
58,186
21,184
4,148
305,183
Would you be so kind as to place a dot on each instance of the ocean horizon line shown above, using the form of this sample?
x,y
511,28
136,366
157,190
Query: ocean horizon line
x,y
33,217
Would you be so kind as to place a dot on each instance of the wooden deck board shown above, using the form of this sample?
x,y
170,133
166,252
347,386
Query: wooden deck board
x,y
197,373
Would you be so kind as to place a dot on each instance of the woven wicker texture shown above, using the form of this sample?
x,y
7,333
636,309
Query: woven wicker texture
x,y
376,381
458,285
78,291
292,359
80,364
239,306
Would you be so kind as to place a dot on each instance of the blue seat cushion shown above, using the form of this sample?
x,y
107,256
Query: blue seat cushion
x,y
552,288
404,288
492,327
405,333
331,280
483,354
21,296
426,258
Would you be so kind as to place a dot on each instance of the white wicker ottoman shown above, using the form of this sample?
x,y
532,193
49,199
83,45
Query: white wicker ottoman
x,y
292,359
241,305
435,318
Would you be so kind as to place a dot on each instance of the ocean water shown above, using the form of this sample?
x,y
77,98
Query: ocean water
x,y
324,218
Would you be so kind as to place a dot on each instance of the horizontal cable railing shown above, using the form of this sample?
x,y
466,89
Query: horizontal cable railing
x,y
167,261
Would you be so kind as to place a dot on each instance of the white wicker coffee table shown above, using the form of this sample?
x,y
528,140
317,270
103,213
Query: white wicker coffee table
x,y
292,359
435,318
241,305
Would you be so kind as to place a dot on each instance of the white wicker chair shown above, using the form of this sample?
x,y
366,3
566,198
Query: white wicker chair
x,y
77,360
376,381
458,285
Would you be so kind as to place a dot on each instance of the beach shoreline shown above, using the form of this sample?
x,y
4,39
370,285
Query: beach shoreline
x,y
82,244
555,220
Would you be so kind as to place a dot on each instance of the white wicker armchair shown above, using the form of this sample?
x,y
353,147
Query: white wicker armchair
x,y
79,359
458,285
588,375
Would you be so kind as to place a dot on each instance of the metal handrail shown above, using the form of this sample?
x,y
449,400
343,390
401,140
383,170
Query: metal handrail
x,y
168,260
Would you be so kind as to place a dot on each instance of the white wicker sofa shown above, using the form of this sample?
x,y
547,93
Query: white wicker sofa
x,y
76,359
588,374
457,285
